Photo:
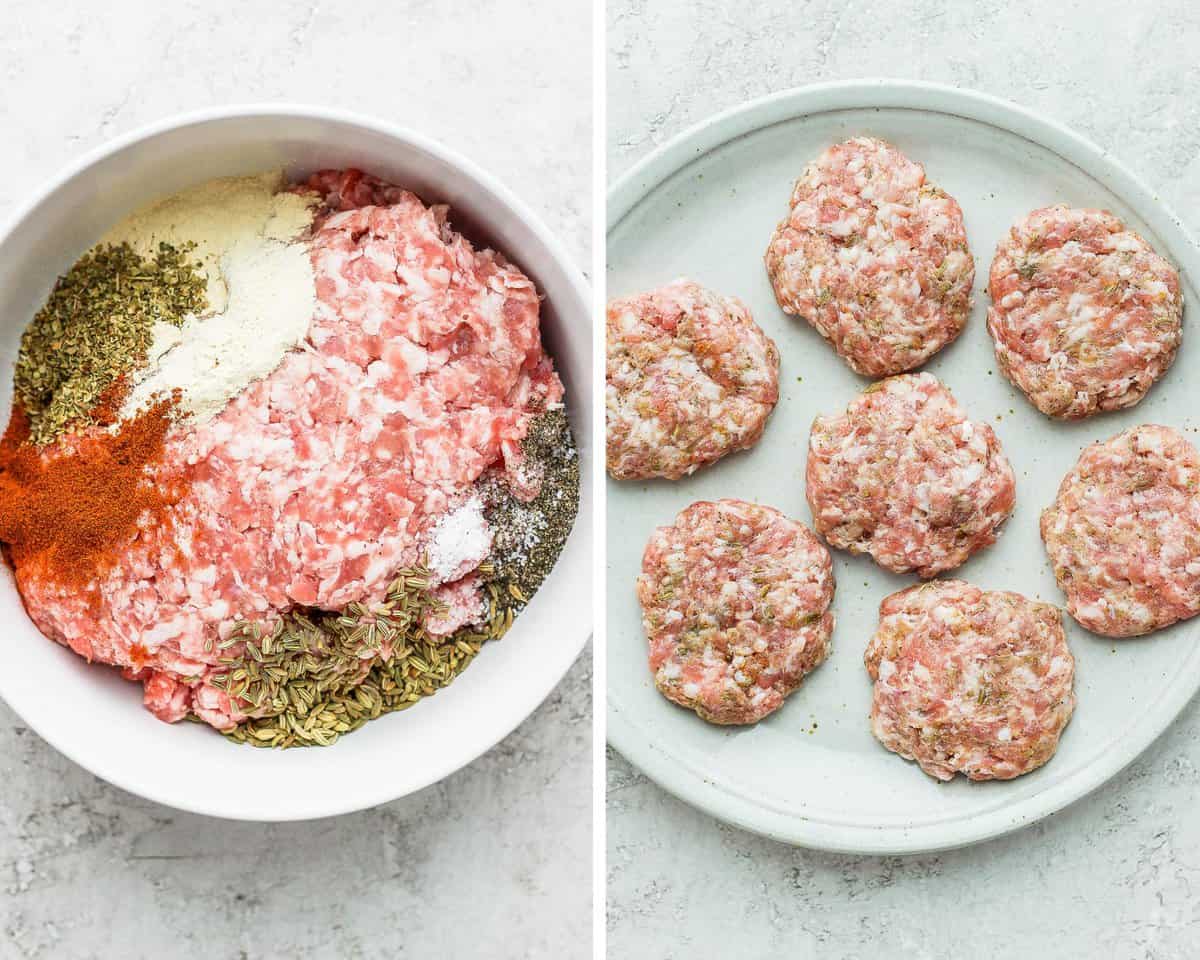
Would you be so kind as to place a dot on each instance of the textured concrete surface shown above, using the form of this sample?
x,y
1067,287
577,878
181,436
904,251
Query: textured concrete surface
x,y
1115,875
495,861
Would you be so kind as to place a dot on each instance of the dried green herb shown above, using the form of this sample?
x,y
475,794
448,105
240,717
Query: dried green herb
x,y
96,326
1027,269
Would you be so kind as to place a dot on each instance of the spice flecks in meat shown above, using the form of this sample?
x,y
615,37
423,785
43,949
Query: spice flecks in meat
x,y
422,368
735,603
970,681
1123,534
690,377
904,476
1085,315
874,257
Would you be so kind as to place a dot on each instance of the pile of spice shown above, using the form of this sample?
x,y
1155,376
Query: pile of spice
x,y
528,535
64,513
306,679
95,328
242,234
65,510
257,457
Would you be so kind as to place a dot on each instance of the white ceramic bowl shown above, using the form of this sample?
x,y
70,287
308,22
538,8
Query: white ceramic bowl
x,y
94,717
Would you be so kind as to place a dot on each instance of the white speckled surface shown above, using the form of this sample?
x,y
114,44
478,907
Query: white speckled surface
x,y
494,861
1114,875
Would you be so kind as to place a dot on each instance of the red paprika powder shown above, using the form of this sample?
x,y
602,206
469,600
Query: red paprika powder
x,y
67,511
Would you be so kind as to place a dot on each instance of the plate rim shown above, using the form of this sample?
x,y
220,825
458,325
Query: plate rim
x,y
576,313
641,180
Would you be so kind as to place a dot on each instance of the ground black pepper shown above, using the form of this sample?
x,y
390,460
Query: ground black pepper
x,y
527,537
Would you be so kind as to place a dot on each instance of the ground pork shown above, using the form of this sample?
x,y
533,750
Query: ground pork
x,y
970,681
690,377
1123,534
904,476
422,368
735,603
874,257
1085,316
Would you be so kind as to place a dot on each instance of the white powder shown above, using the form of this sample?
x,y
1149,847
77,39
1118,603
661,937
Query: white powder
x,y
460,541
260,286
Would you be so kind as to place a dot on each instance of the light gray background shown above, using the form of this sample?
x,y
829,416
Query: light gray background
x,y
1116,875
495,861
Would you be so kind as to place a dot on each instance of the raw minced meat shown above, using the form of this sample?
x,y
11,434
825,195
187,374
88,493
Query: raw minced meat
x,y
1085,315
690,377
422,368
904,476
735,603
1123,534
874,257
970,681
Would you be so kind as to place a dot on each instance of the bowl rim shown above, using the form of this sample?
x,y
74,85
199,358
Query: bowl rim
x,y
578,288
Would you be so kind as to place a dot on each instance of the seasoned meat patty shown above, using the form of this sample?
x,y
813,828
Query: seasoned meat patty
x,y
1085,315
1123,534
970,681
874,257
904,476
690,377
735,603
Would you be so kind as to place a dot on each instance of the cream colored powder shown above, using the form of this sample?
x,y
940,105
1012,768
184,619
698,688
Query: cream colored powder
x,y
249,238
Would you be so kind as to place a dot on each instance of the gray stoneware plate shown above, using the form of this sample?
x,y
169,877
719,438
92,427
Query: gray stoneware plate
x,y
704,206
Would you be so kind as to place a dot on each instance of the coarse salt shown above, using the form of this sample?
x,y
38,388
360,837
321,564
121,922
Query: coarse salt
x,y
460,541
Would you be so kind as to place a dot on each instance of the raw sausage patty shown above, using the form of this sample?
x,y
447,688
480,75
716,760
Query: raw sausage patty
x,y
690,377
970,681
735,602
904,476
874,257
1124,533
1085,315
